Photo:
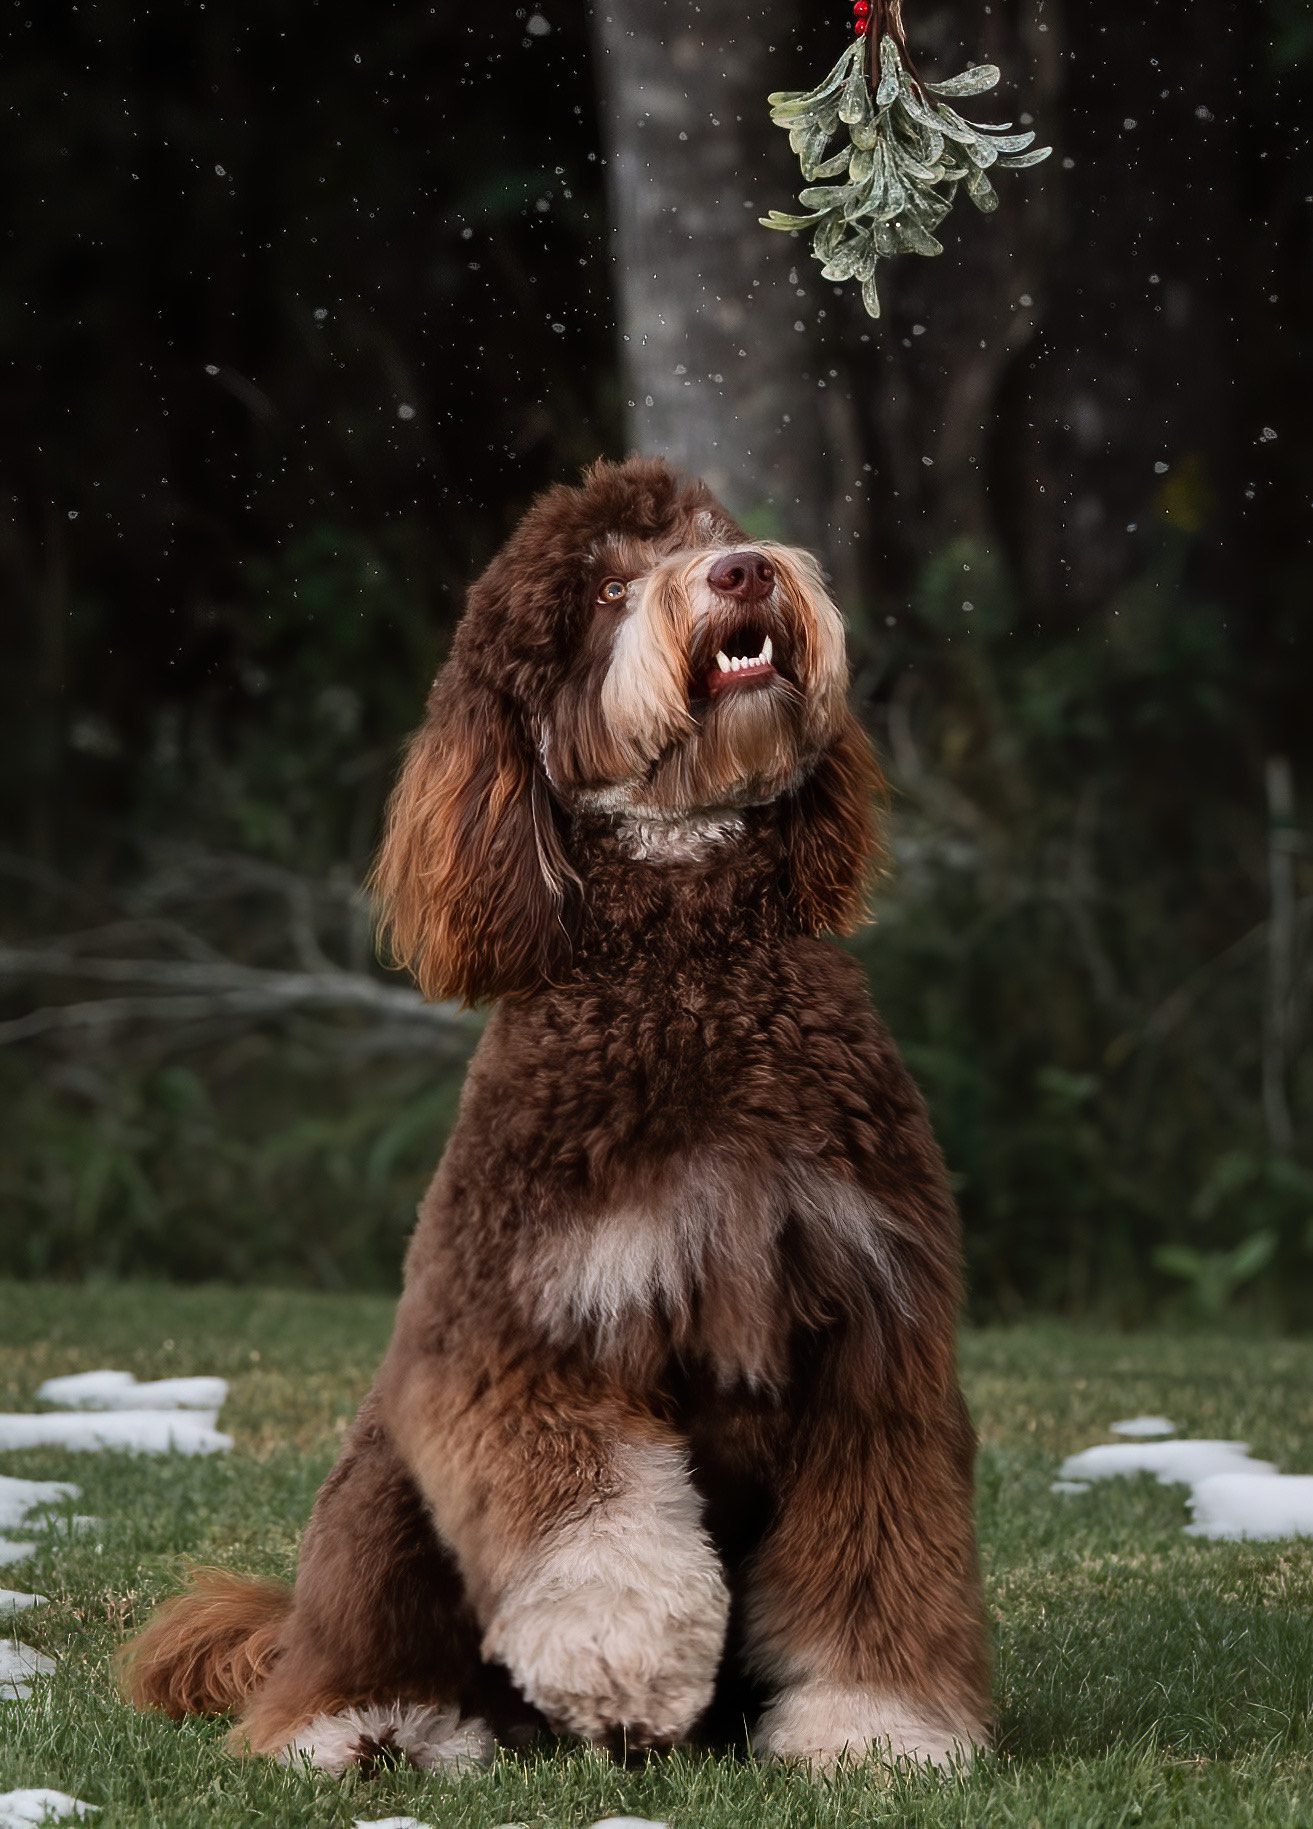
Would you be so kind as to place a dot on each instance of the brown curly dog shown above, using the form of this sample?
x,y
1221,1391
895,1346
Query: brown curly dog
x,y
669,1427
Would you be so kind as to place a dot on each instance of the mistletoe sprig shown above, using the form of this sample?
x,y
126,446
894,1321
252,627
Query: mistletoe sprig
x,y
889,188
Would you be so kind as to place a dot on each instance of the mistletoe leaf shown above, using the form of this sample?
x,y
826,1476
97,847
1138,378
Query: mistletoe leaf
x,y
825,197
932,145
862,164
866,133
1021,161
873,200
870,297
982,153
982,192
829,237
779,219
913,239
799,136
918,173
1008,142
888,89
924,114
811,151
946,121
824,113
843,263
831,168
974,81
855,102
894,200
787,101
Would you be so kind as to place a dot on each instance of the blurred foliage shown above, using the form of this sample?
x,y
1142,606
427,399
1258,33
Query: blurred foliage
x,y
260,1164
1079,840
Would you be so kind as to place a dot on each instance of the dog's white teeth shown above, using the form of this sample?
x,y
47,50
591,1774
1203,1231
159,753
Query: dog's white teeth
x,y
739,662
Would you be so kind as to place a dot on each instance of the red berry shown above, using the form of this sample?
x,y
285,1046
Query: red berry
x,y
861,8
859,26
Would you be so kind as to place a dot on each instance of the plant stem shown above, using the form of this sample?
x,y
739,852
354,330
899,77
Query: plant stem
x,y
887,22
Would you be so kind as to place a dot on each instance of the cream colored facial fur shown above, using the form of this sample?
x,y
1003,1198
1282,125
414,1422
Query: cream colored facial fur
x,y
742,750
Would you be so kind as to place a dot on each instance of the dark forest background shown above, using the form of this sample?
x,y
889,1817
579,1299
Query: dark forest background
x,y
302,302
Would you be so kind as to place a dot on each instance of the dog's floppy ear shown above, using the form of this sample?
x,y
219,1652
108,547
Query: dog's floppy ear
x,y
471,878
832,834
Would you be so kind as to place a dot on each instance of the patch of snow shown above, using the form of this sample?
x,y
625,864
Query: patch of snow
x,y
21,1809
19,1497
13,1600
1252,1505
19,1663
1140,1426
1174,1463
142,1431
12,1552
120,1391
389,1822
1232,1496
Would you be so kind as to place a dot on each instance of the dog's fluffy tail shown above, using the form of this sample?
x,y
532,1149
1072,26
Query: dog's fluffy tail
x,y
203,1652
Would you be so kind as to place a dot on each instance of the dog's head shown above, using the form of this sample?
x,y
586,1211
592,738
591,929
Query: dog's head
x,y
629,655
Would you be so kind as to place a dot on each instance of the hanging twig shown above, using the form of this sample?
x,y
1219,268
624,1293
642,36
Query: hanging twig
x,y
904,153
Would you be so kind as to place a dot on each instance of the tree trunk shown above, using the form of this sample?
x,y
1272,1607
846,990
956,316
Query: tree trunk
x,y
721,373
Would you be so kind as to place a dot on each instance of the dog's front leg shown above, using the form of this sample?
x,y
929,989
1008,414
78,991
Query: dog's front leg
x,y
864,1608
578,1532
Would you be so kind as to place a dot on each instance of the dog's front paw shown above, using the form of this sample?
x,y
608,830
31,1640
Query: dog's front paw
x,y
821,1725
631,1649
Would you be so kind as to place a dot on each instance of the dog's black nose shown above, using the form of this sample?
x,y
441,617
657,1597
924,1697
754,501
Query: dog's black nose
x,y
746,575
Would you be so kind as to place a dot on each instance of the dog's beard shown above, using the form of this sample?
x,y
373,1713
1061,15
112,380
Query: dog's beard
x,y
652,740
748,748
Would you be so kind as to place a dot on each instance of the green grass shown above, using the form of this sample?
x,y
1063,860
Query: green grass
x,y
1143,1677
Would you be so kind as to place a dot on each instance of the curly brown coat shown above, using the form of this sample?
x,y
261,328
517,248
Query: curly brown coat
x,y
669,1426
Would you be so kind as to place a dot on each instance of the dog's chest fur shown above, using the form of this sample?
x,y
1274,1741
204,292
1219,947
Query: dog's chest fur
x,y
720,1265
688,1165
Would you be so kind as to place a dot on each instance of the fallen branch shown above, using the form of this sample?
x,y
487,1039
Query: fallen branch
x,y
191,990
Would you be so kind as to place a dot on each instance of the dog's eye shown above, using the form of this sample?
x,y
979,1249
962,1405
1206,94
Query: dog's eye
x,y
613,591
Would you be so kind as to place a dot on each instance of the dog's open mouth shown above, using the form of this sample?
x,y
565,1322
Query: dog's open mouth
x,y
745,657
